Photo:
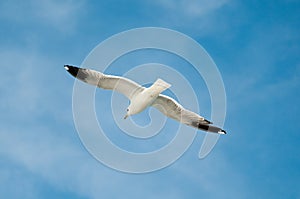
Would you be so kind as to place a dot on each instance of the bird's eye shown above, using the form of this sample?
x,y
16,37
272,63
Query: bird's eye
x,y
128,109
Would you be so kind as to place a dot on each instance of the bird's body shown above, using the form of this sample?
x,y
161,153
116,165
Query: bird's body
x,y
141,97
141,100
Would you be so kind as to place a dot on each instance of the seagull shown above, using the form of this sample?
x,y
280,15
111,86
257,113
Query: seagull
x,y
141,97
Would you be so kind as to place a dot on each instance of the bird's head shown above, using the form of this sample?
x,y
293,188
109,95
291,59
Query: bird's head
x,y
132,109
128,113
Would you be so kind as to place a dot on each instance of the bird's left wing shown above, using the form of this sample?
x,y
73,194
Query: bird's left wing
x,y
123,85
174,110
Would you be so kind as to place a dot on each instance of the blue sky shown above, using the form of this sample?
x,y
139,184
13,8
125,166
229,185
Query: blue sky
x,y
255,45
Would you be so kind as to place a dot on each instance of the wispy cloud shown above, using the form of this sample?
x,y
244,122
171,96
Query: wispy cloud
x,y
37,135
15,182
202,16
61,15
28,91
269,51
192,8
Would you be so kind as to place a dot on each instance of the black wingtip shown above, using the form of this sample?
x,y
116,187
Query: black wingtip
x,y
73,70
208,122
210,128
222,132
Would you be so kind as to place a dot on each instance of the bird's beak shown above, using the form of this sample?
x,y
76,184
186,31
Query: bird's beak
x,y
125,117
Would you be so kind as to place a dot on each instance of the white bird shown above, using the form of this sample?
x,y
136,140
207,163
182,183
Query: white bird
x,y
141,97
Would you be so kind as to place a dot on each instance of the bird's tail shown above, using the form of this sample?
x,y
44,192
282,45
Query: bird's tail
x,y
159,86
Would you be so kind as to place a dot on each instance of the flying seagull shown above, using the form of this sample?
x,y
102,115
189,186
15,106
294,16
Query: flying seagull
x,y
141,97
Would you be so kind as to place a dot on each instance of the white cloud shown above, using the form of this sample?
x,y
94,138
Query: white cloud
x,y
192,8
48,152
38,138
206,174
256,75
17,85
195,16
61,15
15,183
27,88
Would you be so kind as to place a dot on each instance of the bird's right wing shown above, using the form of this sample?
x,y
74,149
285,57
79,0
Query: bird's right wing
x,y
123,85
174,110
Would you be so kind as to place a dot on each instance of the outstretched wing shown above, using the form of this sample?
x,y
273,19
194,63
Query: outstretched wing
x,y
123,85
174,110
